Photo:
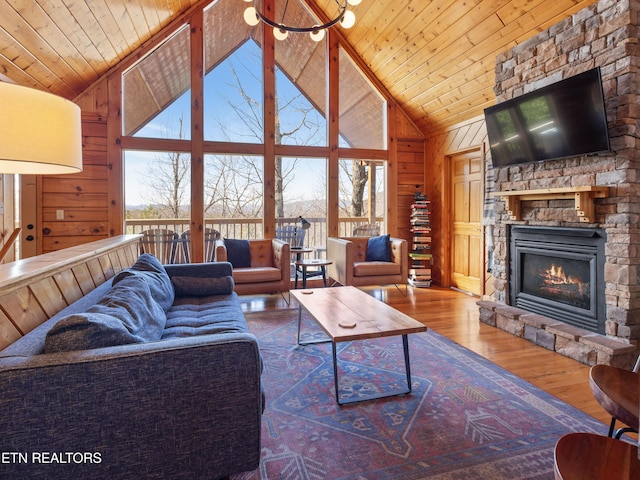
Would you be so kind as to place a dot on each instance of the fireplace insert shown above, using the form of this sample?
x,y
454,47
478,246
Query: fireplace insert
x,y
559,273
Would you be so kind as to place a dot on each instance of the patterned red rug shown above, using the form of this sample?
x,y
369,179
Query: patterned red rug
x,y
465,419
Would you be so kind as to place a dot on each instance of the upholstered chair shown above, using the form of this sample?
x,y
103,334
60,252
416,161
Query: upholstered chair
x,y
262,266
353,265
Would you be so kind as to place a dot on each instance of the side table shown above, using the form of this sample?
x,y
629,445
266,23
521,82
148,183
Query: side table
x,y
303,264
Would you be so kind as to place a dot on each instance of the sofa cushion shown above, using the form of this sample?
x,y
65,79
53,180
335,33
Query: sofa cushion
x,y
202,287
205,316
127,314
238,252
379,249
367,269
256,275
151,270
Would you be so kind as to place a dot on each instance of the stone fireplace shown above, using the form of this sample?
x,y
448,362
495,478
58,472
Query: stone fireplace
x,y
584,302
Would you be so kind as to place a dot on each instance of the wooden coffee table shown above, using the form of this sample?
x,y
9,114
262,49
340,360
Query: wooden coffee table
x,y
347,314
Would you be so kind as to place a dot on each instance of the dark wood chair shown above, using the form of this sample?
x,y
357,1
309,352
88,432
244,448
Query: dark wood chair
x,y
587,456
617,391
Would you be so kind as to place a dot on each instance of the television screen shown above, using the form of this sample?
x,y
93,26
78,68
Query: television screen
x,y
564,119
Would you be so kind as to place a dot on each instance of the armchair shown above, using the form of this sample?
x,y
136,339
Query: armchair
x,y
350,265
269,270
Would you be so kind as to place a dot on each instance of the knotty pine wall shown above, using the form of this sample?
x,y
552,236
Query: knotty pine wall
x,y
74,208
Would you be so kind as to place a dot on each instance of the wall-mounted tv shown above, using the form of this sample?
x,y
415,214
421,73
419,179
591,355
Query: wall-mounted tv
x,y
564,119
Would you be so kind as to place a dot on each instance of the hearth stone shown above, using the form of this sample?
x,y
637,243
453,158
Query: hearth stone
x,y
573,342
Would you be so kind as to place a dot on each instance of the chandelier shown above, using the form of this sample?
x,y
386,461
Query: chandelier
x,y
345,17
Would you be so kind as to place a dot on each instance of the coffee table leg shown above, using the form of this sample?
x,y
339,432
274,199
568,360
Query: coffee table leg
x,y
312,342
405,348
299,321
335,371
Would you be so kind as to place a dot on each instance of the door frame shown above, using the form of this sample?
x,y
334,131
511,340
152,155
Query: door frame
x,y
447,211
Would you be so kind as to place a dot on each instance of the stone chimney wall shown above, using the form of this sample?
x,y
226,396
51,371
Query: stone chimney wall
x,y
604,35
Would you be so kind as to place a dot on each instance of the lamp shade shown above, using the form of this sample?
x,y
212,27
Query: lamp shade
x,y
40,133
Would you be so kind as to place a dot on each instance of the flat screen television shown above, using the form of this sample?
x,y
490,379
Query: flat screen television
x,y
564,119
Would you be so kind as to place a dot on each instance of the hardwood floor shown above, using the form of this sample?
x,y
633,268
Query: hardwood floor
x,y
455,316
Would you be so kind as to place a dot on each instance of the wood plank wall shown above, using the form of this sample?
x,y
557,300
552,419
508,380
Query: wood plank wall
x,y
74,208
438,147
35,289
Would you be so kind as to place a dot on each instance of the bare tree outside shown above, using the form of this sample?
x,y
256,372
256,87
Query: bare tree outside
x,y
168,187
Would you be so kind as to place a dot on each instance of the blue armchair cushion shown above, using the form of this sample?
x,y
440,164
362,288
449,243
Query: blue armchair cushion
x,y
202,287
238,252
127,314
149,267
379,249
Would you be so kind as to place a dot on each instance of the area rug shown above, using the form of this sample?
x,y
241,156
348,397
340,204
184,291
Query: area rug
x,y
466,418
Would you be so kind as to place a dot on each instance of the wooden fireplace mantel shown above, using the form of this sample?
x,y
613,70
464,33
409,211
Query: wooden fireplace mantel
x,y
583,197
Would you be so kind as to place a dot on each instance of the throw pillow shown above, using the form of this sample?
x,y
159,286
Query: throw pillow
x,y
238,252
149,267
202,287
379,249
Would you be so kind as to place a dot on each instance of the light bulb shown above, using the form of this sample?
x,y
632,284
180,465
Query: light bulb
x,y
348,20
350,2
317,35
280,33
251,16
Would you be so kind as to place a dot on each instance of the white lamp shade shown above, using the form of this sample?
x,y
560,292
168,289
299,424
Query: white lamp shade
x,y
251,16
40,133
348,20
354,2
280,34
317,35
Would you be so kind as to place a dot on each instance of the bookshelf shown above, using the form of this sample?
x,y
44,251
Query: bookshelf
x,y
420,257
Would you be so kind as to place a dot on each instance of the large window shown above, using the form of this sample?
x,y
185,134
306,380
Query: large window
x,y
266,155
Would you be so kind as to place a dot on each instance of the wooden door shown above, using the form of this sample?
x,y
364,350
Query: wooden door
x,y
466,221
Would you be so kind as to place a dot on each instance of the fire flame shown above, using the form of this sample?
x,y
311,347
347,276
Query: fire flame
x,y
557,276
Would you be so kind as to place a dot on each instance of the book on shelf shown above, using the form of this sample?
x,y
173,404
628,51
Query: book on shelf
x,y
420,271
425,256
419,283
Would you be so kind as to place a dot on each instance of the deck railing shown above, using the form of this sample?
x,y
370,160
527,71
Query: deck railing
x,y
315,237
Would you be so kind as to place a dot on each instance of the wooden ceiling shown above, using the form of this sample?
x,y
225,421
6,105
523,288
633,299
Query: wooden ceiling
x,y
435,57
